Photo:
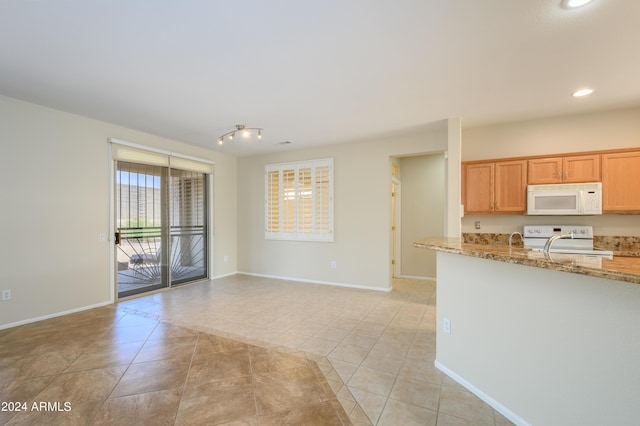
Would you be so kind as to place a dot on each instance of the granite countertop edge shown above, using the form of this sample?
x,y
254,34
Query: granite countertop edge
x,y
621,268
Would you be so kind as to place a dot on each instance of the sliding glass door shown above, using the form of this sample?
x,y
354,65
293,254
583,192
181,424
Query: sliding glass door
x,y
188,231
161,233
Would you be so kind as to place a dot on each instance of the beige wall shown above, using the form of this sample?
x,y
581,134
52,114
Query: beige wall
x,y
361,246
422,211
544,347
453,157
557,135
55,177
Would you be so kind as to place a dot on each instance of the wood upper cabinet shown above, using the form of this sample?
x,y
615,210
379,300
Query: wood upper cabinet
x,y
566,169
545,170
478,187
621,182
581,168
511,186
495,187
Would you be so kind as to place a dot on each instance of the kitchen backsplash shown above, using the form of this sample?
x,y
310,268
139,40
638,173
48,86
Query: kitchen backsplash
x,y
609,224
497,239
617,244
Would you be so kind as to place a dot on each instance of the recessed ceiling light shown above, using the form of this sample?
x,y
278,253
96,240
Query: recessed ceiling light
x,y
572,4
582,92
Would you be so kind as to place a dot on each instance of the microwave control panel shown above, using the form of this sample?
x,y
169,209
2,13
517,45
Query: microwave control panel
x,y
591,202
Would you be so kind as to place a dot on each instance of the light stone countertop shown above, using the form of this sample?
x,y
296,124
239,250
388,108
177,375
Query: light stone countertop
x,y
620,268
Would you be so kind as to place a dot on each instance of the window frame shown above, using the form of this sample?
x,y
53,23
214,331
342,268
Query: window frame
x,y
313,190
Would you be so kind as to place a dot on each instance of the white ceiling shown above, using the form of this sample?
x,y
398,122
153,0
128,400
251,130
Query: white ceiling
x,y
320,72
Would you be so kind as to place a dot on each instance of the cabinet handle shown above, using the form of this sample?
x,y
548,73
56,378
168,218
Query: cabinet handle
x,y
559,175
566,175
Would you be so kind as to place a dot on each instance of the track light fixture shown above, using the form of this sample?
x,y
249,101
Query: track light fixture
x,y
243,131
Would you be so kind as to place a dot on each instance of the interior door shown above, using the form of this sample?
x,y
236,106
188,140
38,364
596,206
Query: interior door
x,y
395,228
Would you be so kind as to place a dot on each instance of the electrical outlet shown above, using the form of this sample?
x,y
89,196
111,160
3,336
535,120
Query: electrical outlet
x,y
226,258
334,264
477,224
446,326
6,294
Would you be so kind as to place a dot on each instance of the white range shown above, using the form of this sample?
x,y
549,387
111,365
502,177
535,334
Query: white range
x,y
535,237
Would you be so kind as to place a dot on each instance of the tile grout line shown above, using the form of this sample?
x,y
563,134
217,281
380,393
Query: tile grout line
x,y
186,379
364,358
253,385
400,369
90,421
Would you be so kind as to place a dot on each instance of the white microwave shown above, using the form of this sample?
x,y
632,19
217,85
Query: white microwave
x,y
565,199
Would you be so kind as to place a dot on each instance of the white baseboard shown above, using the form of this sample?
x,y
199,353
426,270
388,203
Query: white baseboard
x,y
483,396
98,305
224,275
360,287
57,314
413,277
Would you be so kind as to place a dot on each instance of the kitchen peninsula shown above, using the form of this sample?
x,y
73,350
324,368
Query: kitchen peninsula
x,y
544,341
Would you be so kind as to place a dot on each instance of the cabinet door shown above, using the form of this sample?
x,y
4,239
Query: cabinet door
x,y
511,186
479,184
620,182
545,170
581,168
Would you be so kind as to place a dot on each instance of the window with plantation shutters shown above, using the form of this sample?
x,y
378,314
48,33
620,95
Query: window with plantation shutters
x,y
299,201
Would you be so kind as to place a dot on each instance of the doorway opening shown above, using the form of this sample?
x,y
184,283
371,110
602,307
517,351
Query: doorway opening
x,y
418,197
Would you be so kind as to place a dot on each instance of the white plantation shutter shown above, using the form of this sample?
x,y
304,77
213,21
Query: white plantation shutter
x,y
323,196
305,201
272,212
288,197
299,201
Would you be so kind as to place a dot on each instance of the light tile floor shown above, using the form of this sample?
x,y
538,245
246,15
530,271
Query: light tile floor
x,y
376,351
